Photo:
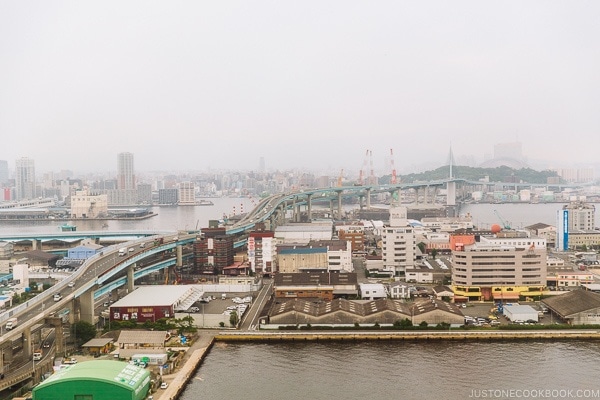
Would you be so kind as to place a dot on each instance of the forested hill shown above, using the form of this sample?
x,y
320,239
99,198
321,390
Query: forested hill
x,y
499,174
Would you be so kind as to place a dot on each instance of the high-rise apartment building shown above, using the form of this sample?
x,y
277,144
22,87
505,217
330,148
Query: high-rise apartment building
x,y
3,172
581,216
187,193
125,172
25,179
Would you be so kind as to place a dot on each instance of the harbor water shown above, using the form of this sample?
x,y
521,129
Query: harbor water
x,y
398,370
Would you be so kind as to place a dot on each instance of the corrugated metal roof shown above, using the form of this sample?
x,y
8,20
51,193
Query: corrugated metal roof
x,y
155,295
142,337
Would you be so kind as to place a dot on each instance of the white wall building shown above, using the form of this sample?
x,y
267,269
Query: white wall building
x,y
85,205
21,274
372,291
187,193
398,243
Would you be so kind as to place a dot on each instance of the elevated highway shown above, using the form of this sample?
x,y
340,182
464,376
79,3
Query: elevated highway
x,y
98,275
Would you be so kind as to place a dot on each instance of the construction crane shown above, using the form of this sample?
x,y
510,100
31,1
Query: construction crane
x,y
361,175
372,179
394,179
505,224
339,181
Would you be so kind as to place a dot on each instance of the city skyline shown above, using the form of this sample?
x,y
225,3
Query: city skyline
x,y
190,87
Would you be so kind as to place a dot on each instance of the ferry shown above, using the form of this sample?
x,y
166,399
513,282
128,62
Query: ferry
x,y
67,228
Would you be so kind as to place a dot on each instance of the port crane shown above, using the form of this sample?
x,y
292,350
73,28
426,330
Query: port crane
x,y
505,224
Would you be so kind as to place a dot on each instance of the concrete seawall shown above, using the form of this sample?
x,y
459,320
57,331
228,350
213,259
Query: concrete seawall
x,y
409,335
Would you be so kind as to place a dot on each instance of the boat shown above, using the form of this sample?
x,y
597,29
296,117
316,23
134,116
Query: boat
x,y
67,228
203,202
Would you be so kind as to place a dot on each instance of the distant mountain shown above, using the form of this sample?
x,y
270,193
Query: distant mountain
x,y
498,174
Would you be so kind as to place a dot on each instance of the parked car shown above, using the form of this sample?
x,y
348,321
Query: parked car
x,y
164,385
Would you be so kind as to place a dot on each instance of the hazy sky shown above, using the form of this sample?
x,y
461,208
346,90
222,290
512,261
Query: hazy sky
x,y
188,85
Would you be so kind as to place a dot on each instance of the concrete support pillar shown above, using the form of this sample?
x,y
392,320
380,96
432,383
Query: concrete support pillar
x,y
86,307
294,213
281,214
59,338
309,207
451,194
36,244
130,278
6,355
339,205
332,211
368,198
27,343
179,261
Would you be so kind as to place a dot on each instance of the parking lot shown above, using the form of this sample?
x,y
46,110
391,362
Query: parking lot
x,y
485,310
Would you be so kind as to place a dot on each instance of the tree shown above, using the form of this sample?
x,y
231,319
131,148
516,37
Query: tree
x,y
422,246
233,318
83,331
434,253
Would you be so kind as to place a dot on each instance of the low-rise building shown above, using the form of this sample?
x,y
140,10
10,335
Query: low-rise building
x,y
372,291
323,286
576,307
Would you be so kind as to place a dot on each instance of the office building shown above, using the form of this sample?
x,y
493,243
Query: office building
x,y
25,179
398,243
499,269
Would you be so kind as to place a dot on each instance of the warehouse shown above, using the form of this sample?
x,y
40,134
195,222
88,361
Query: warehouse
x,y
577,307
98,380
519,313
151,303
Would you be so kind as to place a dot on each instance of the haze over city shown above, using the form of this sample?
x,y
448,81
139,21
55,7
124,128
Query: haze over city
x,y
192,86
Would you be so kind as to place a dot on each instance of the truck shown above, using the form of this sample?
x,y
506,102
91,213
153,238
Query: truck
x,y
122,251
37,355
11,323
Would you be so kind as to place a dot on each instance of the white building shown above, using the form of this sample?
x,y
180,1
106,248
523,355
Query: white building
x,y
521,313
187,193
303,233
581,216
85,205
21,274
372,291
398,243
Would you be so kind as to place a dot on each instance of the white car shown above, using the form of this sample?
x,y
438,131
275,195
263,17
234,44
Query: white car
x,y
164,385
71,284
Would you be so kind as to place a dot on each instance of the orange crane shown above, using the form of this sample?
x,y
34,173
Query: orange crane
x,y
339,181
361,176
394,179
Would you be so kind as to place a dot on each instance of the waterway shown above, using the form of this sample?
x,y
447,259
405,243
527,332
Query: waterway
x,y
192,217
396,370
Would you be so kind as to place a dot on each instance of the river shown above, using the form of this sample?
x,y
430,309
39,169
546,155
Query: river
x,y
396,370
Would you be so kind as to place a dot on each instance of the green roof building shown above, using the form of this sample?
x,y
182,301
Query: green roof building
x,y
95,380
